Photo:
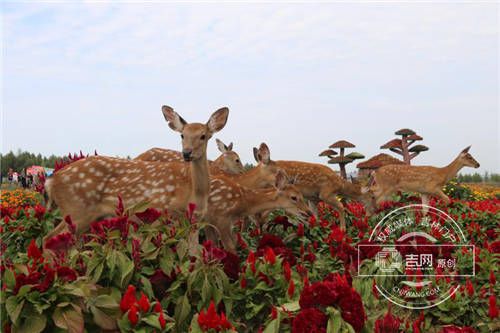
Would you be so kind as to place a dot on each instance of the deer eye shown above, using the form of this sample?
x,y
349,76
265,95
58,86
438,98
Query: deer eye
x,y
182,136
237,161
202,137
294,198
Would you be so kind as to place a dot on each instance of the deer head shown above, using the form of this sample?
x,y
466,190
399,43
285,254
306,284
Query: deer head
x,y
229,161
195,135
466,159
266,168
289,197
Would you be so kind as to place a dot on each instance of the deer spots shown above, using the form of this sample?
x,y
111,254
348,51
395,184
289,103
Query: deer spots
x,y
215,198
170,188
66,178
229,195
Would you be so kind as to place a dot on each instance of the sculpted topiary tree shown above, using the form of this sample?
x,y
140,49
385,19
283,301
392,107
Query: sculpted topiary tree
x,y
404,146
342,160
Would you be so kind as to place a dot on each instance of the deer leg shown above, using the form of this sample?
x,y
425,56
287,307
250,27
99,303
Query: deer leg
x,y
425,202
331,199
212,233
440,194
226,235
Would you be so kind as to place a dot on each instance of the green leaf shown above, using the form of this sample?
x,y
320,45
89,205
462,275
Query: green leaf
x,y
182,248
152,320
147,287
9,279
182,309
14,308
106,302
273,326
206,291
35,323
103,320
69,318
334,322
24,290
111,262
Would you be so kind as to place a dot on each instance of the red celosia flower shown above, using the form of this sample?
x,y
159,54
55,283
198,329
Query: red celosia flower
x,y
231,264
71,225
143,303
243,283
291,289
269,240
33,251
162,320
274,312
48,279
120,209
212,253
133,316
66,273
161,282
61,242
149,215
309,321
211,320
128,299
251,261
157,308
283,221
241,241
270,257
469,287
493,279
190,212
492,309
39,211
300,230
287,272
387,324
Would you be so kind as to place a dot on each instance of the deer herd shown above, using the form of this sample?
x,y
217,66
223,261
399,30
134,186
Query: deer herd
x,y
222,190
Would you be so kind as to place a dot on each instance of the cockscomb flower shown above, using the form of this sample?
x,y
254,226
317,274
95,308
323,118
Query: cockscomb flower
x,y
149,215
143,303
60,243
387,324
128,299
210,320
33,251
270,256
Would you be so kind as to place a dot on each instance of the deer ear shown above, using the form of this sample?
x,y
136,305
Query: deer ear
x,y
281,180
466,150
221,146
256,155
230,147
218,120
264,153
175,121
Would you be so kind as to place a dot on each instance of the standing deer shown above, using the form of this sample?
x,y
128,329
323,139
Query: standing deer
x,y
319,182
426,180
88,189
228,162
229,201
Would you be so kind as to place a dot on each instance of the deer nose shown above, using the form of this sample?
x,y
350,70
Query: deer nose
x,y
187,155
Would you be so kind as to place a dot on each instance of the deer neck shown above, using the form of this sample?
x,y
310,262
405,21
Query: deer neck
x,y
200,184
247,178
350,190
257,201
450,171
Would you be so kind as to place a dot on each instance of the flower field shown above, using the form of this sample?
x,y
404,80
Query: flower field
x,y
133,273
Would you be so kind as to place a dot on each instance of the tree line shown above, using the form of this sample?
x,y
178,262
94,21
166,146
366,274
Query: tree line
x,y
24,159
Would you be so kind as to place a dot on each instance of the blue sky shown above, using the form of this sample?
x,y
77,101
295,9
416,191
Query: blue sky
x,y
93,75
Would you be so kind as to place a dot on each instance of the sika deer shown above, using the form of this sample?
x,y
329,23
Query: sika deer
x,y
88,189
319,182
228,162
229,201
426,180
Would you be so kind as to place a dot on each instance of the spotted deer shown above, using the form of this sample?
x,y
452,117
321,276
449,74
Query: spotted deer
x,y
88,189
228,162
426,180
229,201
319,182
